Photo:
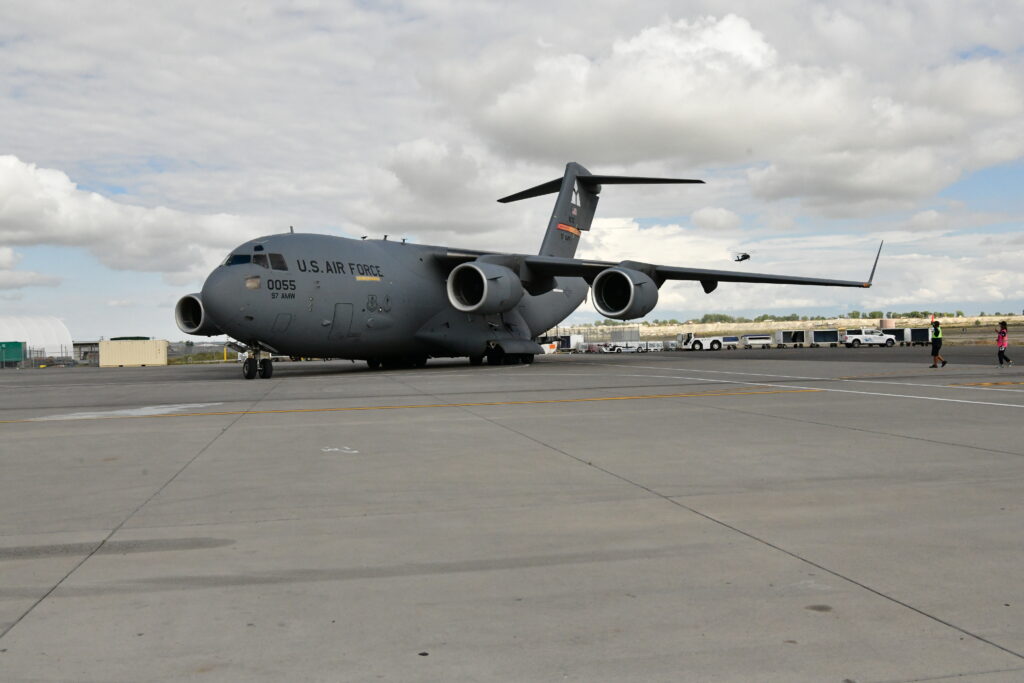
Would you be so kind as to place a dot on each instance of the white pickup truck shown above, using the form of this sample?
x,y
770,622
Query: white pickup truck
x,y
865,337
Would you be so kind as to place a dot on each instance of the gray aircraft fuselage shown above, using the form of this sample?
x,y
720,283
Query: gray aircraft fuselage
x,y
363,299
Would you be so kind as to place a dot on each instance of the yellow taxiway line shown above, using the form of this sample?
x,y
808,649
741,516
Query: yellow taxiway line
x,y
57,418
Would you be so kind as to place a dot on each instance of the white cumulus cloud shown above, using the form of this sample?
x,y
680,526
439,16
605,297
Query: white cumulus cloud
x,y
41,206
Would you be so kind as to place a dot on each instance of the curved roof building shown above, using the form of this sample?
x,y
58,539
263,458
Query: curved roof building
x,y
38,332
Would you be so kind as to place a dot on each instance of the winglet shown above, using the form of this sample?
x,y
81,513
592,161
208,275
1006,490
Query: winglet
x,y
871,278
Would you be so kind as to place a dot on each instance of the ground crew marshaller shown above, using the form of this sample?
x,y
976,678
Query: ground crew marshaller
x,y
1001,344
936,345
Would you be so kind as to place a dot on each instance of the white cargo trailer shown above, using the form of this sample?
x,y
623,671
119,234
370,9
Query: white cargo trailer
x,y
910,336
823,337
751,341
784,338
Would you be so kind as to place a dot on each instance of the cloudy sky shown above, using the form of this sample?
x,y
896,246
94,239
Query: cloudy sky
x,y
140,142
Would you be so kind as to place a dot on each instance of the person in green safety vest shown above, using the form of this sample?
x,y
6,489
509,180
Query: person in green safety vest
x,y
936,345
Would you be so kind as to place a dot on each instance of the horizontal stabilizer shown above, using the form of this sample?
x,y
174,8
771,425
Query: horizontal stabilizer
x,y
633,180
591,181
549,187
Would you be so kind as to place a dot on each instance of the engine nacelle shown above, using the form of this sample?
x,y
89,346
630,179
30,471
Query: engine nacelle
x,y
480,287
191,317
623,293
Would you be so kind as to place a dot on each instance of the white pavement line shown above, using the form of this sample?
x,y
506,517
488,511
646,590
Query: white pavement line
x,y
141,411
835,379
838,391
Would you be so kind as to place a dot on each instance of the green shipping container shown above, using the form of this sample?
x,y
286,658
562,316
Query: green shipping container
x,y
12,352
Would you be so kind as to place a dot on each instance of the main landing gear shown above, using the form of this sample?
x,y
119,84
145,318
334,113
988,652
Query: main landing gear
x,y
251,366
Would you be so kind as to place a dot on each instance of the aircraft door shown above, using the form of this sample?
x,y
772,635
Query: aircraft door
x,y
342,323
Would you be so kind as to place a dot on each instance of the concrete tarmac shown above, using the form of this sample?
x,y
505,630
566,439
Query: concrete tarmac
x,y
781,515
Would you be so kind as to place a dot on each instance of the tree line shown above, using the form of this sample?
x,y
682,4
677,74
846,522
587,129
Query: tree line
x,y
792,317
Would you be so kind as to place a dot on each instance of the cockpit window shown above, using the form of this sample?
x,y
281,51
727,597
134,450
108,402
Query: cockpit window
x,y
277,262
260,260
235,259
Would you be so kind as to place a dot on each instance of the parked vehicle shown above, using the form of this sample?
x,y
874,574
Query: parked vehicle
x,y
690,342
920,336
763,341
822,337
784,338
643,346
800,338
865,337
910,336
618,347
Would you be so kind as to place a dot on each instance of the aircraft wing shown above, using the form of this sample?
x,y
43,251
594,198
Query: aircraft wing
x,y
546,266
549,265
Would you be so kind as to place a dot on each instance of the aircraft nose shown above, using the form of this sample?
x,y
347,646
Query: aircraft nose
x,y
220,294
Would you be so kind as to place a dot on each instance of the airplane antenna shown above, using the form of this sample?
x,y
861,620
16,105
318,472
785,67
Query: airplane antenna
x,y
363,237
404,239
291,229
385,238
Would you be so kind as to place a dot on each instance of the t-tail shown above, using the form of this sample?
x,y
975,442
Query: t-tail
x,y
578,192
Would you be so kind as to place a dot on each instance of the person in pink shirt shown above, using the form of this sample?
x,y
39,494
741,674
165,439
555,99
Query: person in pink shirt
x,y
1002,343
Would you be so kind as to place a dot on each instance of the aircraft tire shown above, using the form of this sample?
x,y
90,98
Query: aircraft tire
x,y
373,363
419,362
249,368
476,360
526,358
495,357
266,368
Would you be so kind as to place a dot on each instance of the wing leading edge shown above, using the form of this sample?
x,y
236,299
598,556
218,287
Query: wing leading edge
x,y
553,266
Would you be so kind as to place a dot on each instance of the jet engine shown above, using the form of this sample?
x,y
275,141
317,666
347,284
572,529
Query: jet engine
x,y
624,293
481,287
192,318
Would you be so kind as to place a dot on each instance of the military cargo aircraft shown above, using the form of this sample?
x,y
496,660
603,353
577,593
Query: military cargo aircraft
x,y
397,304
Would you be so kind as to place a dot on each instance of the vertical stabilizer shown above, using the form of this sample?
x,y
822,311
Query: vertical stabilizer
x,y
577,199
573,213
